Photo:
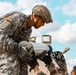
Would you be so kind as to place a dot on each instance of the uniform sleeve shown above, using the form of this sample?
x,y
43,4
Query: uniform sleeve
x,y
9,44
18,18
17,21
8,14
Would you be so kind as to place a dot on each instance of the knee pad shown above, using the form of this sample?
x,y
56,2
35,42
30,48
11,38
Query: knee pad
x,y
28,46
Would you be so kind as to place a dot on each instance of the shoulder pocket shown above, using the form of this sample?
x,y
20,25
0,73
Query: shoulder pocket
x,y
4,24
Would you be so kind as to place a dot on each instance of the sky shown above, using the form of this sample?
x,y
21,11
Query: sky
x,y
63,28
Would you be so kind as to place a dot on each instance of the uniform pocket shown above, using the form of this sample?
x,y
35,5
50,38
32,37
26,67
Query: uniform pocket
x,y
4,24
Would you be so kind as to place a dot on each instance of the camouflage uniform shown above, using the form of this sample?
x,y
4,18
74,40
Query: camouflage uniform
x,y
14,32
60,60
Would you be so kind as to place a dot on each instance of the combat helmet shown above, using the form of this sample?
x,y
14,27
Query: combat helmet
x,y
43,12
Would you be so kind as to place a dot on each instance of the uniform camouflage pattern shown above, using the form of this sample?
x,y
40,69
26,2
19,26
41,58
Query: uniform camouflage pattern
x,y
9,63
60,60
16,31
43,12
23,68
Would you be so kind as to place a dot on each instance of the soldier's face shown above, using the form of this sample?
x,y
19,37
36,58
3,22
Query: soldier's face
x,y
73,72
38,22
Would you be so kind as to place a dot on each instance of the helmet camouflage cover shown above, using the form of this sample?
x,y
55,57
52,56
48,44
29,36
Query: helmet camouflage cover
x,y
43,12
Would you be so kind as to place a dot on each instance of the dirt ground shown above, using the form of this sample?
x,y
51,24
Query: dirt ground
x,y
41,67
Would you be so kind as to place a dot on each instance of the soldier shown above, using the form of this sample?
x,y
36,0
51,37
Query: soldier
x,y
73,71
14,28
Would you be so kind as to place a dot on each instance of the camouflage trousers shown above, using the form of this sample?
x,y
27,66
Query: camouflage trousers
x,y
60,60
53,71
23,68
10,63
